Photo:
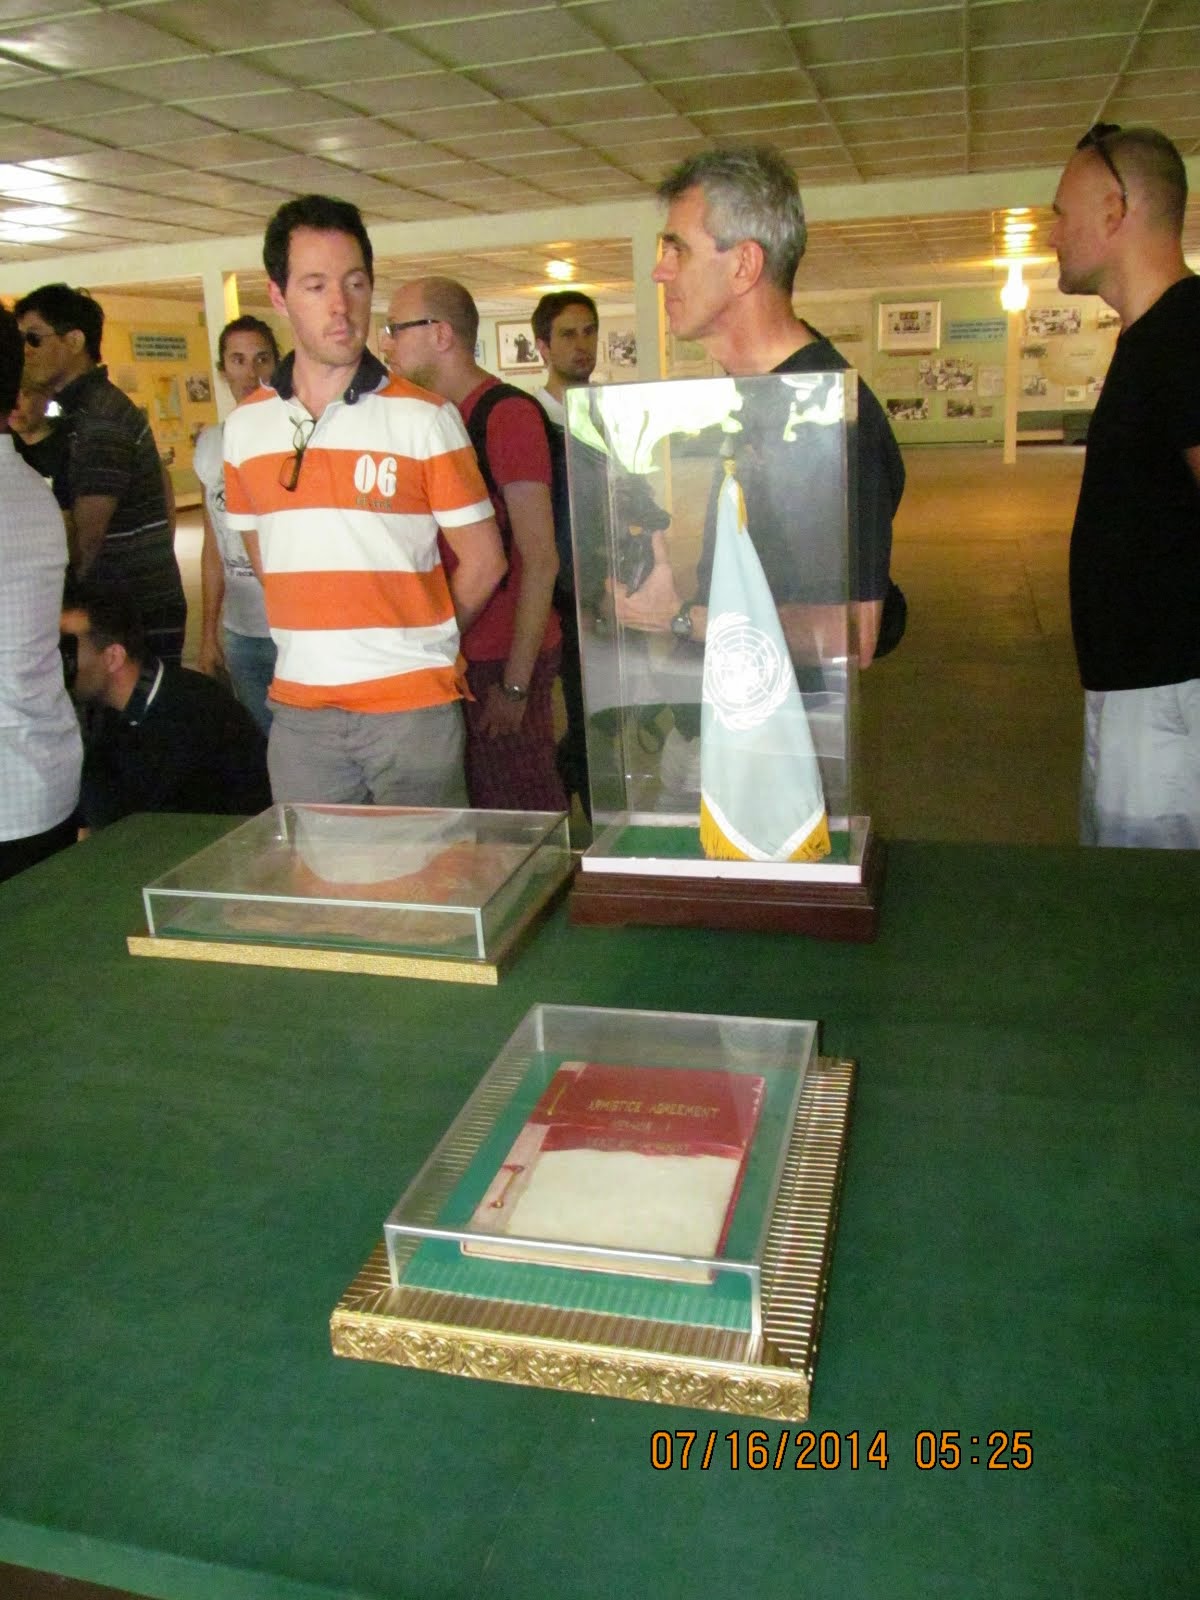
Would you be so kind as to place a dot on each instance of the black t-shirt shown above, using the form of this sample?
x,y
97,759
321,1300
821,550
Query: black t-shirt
x,y
1135,547
793,498
193,747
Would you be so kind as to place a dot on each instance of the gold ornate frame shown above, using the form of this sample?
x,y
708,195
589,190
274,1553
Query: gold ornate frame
x,y
624,1358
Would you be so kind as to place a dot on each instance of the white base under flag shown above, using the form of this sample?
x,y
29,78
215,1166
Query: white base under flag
x,y
760,787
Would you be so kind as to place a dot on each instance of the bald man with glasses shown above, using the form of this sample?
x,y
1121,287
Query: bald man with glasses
x,y
1135,545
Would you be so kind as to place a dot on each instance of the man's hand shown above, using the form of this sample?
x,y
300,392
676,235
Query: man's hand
x,y
501,717
211,659
651,608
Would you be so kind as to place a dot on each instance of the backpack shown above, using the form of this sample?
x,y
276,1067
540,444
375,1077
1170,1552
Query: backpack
x,y
556,440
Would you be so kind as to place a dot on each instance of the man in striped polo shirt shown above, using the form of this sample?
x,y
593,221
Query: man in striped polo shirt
x,y
339,478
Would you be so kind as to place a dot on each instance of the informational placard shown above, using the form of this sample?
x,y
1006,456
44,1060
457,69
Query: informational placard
x,y
978,330
159,346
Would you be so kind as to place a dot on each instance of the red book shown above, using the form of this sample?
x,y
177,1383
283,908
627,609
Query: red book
x,y
634,1158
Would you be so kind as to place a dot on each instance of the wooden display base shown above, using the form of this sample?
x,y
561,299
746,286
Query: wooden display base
x,y
623,1357
847,911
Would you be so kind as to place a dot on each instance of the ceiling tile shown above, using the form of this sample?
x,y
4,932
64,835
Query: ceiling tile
x,y
724,91
407,13
668,19
488,41
879,38
220,25
92,41
118,166
145,125
562,73
384,97
1032,21
517,141
904,74
760,120
14,72
208,188
64,100
1162,81
1178,48
465,120
253,112
189,79
26,141
1082,91
340,137
591,109
859,108
369,55
916,125
1024,64
760,51
301,174
218,150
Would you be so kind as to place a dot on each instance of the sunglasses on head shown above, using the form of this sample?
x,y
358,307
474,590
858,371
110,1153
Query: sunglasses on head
x,y
1094,139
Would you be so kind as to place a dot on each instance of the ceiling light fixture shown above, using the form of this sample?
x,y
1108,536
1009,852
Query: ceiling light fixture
x,y
1015,294
561,271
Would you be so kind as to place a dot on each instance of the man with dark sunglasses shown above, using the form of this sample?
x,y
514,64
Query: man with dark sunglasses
x,y
339,478
111,483
1135,546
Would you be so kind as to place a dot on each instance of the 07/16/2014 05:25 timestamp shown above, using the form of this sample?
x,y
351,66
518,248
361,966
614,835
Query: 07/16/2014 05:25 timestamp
x,y
756,1450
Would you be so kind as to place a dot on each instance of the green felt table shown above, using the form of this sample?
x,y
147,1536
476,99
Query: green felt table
x,y
195,1160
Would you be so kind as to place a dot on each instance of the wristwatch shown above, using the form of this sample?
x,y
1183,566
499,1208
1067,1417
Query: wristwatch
x,y
514,691
681,622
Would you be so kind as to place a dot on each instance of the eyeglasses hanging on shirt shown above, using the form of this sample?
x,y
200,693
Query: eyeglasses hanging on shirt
x,y
289,472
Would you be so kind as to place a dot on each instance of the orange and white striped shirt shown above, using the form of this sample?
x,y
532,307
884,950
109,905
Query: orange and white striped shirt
x,y
357,598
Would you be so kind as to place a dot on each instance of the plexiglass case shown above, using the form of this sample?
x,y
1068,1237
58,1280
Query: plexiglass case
x,y
714,578
649,1195
441,883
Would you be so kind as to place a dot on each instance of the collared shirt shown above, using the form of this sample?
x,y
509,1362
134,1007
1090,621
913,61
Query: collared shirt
x,y
111,451
356,594
40,751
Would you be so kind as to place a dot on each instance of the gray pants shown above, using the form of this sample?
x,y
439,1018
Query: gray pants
x,y
387,758
1141,767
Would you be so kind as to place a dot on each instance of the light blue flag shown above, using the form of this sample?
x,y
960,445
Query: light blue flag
x,y
760,787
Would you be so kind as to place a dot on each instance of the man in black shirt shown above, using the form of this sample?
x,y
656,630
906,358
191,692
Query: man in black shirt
x,y
1135,545
110,481
161,738
734,236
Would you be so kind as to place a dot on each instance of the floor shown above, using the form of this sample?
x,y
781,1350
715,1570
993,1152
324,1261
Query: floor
x,y
971,730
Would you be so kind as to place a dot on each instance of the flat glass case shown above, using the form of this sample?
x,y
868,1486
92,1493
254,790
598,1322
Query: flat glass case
x,y
620,1163
634,1204
452,886
715,582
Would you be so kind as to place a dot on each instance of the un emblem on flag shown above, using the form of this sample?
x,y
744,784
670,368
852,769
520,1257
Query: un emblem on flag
x,y
746,675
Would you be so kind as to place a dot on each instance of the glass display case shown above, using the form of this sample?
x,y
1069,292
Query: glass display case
x,y
657,1185
401,890
717,584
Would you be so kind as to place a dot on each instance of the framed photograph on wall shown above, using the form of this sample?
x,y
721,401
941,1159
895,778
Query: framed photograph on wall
x,y
517,351
910,325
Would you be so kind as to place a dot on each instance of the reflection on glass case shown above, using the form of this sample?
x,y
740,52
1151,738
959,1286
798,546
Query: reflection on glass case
x,y
401,890
657,1185
716,584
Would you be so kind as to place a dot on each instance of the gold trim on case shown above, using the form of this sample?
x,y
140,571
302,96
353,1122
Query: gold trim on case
x,y
624,1358
307,959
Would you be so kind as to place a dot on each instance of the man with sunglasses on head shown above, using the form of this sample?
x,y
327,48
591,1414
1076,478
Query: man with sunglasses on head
x,y
111,483
339,478
1135,545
